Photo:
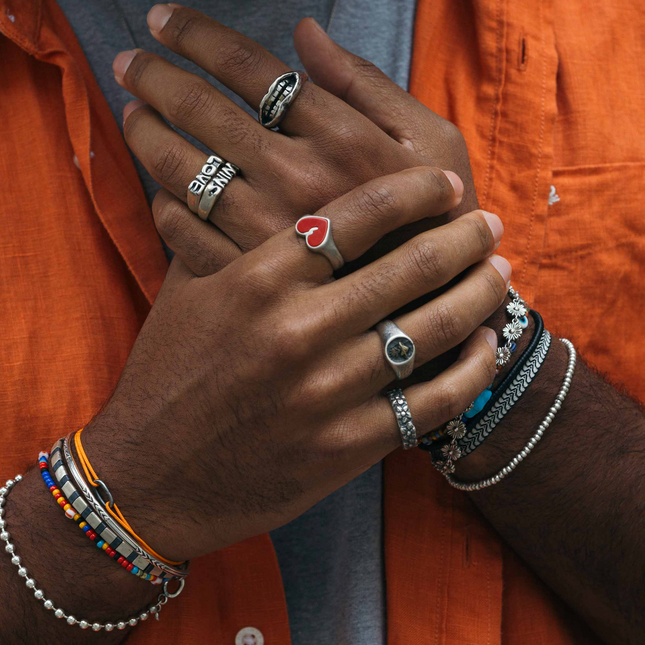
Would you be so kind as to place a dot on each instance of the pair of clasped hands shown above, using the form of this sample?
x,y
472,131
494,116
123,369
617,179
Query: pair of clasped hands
x,y
256,386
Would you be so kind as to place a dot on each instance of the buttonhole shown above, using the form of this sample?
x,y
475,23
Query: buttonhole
x,y
523,53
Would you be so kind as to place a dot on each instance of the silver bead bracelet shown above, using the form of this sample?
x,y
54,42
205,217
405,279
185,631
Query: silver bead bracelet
x,y
528,448
39,594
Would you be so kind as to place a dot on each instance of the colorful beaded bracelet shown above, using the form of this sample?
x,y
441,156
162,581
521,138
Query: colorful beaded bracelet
x,y
141,557
81,498
72,514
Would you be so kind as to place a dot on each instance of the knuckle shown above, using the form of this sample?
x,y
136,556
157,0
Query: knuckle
x,y
191,102
170,220
452,133
438,184
292,341
257,278
168,164
182,28
484,368
366,68
241,59
133,125
315,188
479,232
447,403
137,68
378,201
425,258
443,324
494,286
236,130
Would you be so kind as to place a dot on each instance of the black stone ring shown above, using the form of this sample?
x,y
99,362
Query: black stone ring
x,y
399,348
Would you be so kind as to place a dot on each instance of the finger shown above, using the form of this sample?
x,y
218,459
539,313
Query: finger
x,y
198,108
363,216
174,162
199,245
240,63
363,86
434,403
423,264
170,159
436,327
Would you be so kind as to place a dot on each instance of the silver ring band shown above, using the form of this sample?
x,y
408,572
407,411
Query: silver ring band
x,y
281,95
398,347
215,188
403,418
317,233
197,186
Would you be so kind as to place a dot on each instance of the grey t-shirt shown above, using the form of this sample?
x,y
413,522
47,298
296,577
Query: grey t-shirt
x,y
331,557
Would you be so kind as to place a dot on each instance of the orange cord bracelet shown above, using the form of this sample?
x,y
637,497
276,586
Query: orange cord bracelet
x,y
116,513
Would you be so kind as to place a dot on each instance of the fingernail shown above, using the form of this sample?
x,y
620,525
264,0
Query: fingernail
x,y
131,107
495,225
491,337
457,184
158,16
503,266
122,62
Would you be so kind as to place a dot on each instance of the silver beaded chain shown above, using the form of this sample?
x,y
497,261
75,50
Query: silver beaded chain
x,y
524,453
39,594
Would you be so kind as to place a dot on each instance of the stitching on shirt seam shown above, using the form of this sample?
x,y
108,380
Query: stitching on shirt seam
x,y
447,522
529,237
497,100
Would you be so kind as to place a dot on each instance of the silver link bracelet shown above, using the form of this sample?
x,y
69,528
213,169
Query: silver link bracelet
x,y
39,594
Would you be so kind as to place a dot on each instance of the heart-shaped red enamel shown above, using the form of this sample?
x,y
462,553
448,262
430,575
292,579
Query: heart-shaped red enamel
x,y
313,228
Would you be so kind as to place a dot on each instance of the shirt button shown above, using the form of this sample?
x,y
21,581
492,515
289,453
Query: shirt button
x,y
249,636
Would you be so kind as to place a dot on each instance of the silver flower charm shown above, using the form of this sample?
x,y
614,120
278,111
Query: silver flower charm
x,y
502,356
447,468
451,452
512,331
456,429
516,309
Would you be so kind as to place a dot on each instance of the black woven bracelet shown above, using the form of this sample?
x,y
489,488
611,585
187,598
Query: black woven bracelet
x,y
510,377
464,444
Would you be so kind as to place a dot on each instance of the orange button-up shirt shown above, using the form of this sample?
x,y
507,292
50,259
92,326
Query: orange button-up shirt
x,y
549,96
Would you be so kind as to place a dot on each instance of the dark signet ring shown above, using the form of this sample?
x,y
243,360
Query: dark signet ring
x,y
399,348
215,187
317,233
281,95
197,185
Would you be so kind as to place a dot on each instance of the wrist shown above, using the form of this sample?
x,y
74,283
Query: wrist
x,y
67,567
154,485
510,436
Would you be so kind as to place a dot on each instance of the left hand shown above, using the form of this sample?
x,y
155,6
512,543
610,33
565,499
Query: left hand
x,y
326,145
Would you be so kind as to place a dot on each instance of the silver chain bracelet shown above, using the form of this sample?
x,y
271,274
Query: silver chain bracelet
x,y
528,448
39,594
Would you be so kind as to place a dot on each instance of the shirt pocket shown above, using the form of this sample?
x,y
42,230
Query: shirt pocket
x,y
592,268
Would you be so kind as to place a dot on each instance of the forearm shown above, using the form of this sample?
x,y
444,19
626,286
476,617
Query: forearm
x,y
573,508
68,567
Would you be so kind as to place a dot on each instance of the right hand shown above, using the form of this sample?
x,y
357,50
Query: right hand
x,y
253,393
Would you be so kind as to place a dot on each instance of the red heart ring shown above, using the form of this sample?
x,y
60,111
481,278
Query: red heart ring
x,y
317,233
314,229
